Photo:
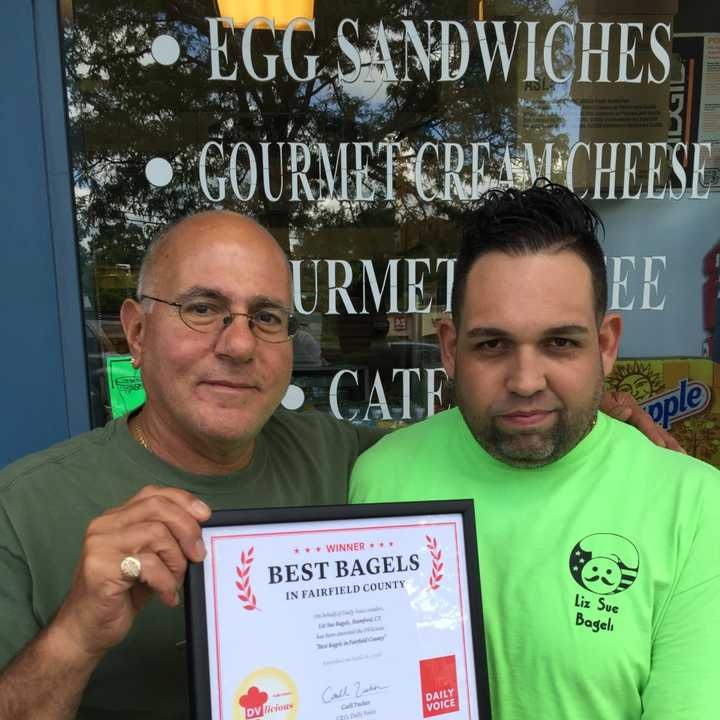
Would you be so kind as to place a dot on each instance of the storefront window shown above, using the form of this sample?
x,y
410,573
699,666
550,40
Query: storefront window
x,y
359,133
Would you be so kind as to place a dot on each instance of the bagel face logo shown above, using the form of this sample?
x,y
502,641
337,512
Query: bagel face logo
x,y
604,563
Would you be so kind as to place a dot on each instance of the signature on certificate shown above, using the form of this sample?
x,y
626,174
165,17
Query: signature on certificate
x,y
352,690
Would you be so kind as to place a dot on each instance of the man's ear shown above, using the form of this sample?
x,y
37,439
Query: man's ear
x,y
609,340
133,323
448,345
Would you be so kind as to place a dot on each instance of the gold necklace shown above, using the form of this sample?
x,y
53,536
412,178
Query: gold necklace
x,y
139,435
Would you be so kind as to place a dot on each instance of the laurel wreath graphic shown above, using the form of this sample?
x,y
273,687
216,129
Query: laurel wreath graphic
x,y
437,564
243,584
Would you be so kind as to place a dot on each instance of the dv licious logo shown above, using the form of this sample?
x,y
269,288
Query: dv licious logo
x,y
253,702
266,693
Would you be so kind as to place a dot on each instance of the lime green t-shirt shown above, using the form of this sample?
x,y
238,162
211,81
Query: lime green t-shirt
x,y
600,573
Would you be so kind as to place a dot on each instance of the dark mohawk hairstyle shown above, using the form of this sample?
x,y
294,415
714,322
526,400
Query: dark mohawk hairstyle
x,y
545,218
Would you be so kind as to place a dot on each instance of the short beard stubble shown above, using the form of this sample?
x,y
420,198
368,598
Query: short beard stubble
x,y
548,445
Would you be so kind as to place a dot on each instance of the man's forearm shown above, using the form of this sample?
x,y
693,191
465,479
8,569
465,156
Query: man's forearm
x,y
45,680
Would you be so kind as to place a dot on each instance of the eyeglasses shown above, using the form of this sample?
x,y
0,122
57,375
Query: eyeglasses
x,y
271,324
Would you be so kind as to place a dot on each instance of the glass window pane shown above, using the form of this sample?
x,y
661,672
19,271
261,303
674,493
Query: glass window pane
x,y
362,142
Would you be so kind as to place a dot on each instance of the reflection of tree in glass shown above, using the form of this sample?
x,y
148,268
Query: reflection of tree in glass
x,y
126,109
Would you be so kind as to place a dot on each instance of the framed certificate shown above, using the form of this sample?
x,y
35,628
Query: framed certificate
x,y
338,613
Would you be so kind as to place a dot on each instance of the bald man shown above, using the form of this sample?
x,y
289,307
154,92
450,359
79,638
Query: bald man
x,y
90,623
211,331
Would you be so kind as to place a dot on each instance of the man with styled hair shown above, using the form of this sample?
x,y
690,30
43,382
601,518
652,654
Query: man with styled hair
x,y
599,552
96,532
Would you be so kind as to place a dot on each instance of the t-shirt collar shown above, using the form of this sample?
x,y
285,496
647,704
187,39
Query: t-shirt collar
x,y
576,457
160,472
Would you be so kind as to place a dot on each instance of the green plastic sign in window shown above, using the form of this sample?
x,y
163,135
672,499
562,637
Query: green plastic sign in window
x,y
125,386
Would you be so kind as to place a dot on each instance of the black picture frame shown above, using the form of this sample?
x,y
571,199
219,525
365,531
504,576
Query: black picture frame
x,y
195,609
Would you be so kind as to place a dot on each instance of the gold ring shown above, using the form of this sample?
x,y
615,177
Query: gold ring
x,y
131,568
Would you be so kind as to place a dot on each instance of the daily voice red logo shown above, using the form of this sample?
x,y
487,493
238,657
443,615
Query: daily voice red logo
x,y
438,679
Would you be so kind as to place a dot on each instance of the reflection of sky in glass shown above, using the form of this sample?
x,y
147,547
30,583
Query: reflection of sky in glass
x,y
436,609
374,114
369,87
570,111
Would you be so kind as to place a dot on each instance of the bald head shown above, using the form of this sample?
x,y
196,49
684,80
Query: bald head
x,y
213,388
188,235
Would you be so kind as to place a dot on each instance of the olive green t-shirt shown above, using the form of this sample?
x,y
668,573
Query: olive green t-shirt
x,y
48,499
599,573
